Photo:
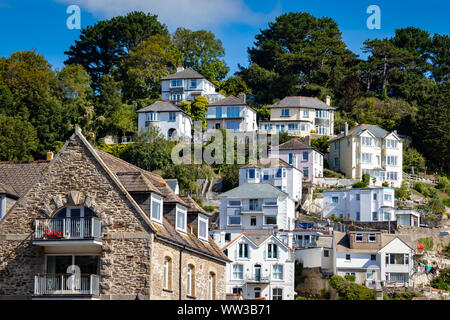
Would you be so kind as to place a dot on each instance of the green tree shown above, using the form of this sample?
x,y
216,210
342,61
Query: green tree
x,y
412,158
442,281
102,46
198,110
202,52
321,144
18,139
233,86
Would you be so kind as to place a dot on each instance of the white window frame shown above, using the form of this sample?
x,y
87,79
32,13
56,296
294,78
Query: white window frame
x,y
204,220
160,201
235,272
178,82
277,272
180,211
359,235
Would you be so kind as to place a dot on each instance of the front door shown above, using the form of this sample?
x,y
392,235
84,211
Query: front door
x,y
257,272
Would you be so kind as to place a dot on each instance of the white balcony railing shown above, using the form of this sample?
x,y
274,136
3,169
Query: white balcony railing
x,y
66,284
68,228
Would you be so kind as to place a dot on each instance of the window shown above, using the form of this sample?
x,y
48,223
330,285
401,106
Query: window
x,y
372,237
253,221
152,116
238,271
233,203
237,290
227,236
218,112
388,197
391,144
167,273
203,228
277,294
270,202
233,125
176,83
305,172
369,275
366,158
193,83
243,250
391,176
322,130
397,258
304,127
172,116
191,280
285,112
305,155
266,175
323,114
336,162
391,160
305,113
156,210
358,216
234,220
292,126
233,112
251,173
366,141
278,174
257,292
291,158
374,196
373,257
347,257
253,205
375,216
386,216
181,220
176,97
270,219
277,273
358,196
335,199
397,277
359,237
212,286
272,251
326,253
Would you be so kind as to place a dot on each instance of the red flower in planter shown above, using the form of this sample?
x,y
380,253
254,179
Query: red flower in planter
x,y
53,235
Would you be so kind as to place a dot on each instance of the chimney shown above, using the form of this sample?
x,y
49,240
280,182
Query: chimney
x,y
49,155
328,100
242,96
308,140
180,68
345,129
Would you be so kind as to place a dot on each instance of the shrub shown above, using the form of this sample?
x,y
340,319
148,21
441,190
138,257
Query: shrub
x,y
419,187
350,277
444,184
442,281
351,291
385,184
359,184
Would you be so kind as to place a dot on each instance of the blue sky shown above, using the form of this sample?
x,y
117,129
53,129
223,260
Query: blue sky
x,y
41,25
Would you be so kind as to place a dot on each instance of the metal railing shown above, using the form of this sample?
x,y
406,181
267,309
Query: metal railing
x,y
68,228
257,278
66,284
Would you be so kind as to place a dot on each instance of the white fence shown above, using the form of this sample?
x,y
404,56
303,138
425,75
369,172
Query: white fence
x,y
67,228
66,284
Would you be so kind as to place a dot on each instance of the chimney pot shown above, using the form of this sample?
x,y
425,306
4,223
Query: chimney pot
x,y
242,96
49,155
328,100
180,68
345,129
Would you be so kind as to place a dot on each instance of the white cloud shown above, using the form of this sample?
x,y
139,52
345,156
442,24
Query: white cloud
x,y
195,14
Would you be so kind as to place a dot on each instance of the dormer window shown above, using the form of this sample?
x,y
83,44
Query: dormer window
x,y
203,228
372,237
156,212
359,237
181,219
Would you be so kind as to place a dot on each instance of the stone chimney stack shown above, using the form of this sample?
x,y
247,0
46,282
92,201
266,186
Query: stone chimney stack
x,y
345,129
180,68
328,100
49,155
242,96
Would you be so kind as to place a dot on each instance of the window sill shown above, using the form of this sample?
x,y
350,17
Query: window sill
x,y
191,297
167,290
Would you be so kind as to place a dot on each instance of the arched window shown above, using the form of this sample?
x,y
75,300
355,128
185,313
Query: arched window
x,y
75,222
167,273
212,286
191,280
74,212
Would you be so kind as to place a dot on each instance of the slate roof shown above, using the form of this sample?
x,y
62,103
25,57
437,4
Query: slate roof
x,y
302,102
293,144
136,182
252,190
192,206
356,131
272,163
258,238
172,183
162,106
20,176
187,73
228,101
7,190
342,242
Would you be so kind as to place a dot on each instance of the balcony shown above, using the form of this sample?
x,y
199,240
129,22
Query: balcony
x,y
67,285
257,279
72,231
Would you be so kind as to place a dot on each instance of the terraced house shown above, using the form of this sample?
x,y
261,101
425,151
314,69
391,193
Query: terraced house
x,y
300,116
87,225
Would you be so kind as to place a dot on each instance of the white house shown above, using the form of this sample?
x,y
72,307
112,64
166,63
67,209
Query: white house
x,y
171,121
253,207
315,253
276,172
300,116
368,149
231,113
262,267
187,84
302,156
365,204
374,258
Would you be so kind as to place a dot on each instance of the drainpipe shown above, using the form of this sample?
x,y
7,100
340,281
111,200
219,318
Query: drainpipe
x,y
179,274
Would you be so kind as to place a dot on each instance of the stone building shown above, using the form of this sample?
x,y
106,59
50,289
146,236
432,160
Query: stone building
x,y
88,225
